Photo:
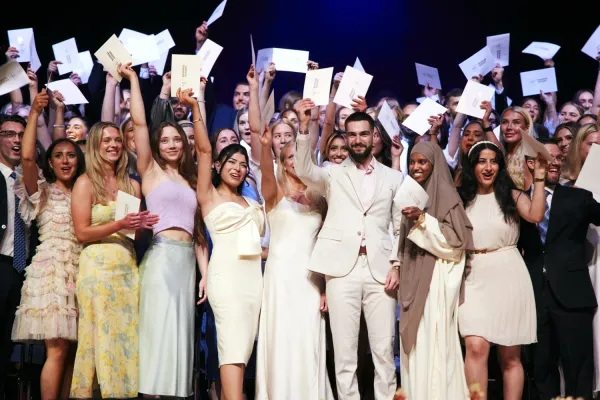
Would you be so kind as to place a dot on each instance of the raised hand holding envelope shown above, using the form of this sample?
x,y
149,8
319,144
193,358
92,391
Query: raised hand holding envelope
x,y
541,49
540,80
417,120
531,147
428,76
87,64
209,53
66,52
185,73
411,194
70,91
285,59
21,40
354,83
217,13
317,85
111,54
470,101
269,110
126,204
388,120
499,45
480,63
588,177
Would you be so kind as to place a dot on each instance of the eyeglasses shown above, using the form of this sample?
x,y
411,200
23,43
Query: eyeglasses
x,y
11,134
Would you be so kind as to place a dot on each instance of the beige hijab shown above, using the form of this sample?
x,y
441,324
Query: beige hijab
x,y
417,265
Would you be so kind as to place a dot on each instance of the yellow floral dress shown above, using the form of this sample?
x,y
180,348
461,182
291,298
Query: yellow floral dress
x,y
48,309
108,296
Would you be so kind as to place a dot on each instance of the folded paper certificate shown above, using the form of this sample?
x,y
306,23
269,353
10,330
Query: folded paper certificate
x,y
284,59
164,41
358,65
185,73
435,97
12,77
69,90
417,120
388,120
21,40
111,54
87,64
479,63
428,76
531,148
588,177
592,46
143,48
541,49
209,52
499,45
126,204
411,194
269,110
533,82
67,53
317,85
473,95
217,13
354,83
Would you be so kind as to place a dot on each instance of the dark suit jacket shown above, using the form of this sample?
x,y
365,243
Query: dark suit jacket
x,y
563,255
3,207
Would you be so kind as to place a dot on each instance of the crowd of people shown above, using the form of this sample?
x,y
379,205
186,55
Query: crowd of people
x,y
289,237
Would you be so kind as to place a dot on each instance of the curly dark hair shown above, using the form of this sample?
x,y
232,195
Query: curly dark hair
x,y
503,184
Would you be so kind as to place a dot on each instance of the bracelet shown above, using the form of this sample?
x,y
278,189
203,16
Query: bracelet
x,y
201,101
488,129
396,267
539,180
197,120
58,126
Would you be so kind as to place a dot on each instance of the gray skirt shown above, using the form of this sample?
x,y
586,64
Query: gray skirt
x,y
166,326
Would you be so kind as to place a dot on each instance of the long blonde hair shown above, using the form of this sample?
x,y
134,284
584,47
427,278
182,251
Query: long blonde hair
x,y
515,164
574,160
94,163
315,199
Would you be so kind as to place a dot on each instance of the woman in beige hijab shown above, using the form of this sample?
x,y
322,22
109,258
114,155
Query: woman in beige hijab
x,y
432,255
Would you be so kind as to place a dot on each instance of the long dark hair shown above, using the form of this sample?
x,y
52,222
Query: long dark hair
x,y
47,169
503,184
223,157
186,168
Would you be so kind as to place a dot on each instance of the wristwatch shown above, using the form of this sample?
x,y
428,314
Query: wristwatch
x,y
488,129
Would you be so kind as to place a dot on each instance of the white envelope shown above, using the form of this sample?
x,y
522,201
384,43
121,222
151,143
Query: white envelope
x,y
358,65
217,13
87,64
531,148
143,48
21,40
209,52
354,83
164,41
411,194
269,110
12,77
540,79
111,54
473,95
417,120
284,59
69,90
185,73
428,75
592,46
35,59
67,53
545,51
479,63
160,63
435,97
388,120
499,45
588,177
126,204
317,85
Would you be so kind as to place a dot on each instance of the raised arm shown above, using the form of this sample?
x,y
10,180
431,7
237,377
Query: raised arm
x,y
265,90
533,210
487,127
269,187
43,135
596,106
59,130
108,104
138,119
202,98
254,117
329,124
307,171
30,171
454,139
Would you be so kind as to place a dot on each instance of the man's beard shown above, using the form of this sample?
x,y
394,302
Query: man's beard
x,y
360,157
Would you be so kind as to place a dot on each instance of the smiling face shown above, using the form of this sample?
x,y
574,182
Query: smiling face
x,y
471,135
554,168
11,134
586,100
63,162
288,161
241,96
419,168
563,138
111,145
170,145
226,137
486,169
244,127
513,126
359,139
338,151
234,170
76,129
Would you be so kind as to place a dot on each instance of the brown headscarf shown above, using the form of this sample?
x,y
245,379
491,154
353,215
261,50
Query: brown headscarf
x,y
417,265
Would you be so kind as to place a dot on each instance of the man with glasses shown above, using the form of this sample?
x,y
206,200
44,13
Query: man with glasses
x,y
13,236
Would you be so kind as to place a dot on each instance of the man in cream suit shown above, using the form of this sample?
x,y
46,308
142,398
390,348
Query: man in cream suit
x,y
354,250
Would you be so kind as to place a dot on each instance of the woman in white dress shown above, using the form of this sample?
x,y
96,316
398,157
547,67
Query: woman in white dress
x,y
291,341
432,255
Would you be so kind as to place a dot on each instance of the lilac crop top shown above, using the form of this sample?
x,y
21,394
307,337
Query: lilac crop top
x,y
175,205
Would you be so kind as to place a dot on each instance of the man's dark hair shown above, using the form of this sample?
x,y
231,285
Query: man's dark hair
x,y
453,93
360,116
13,118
